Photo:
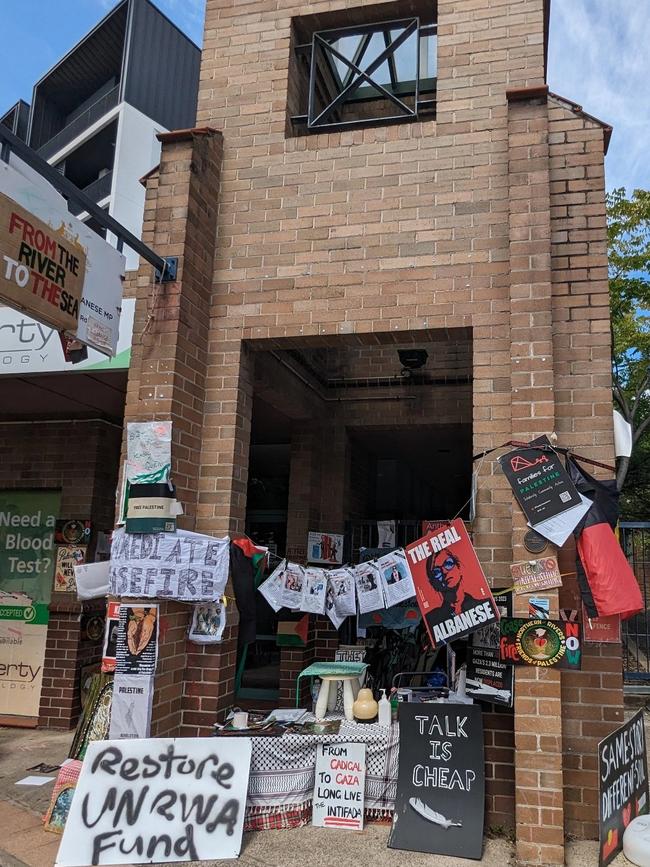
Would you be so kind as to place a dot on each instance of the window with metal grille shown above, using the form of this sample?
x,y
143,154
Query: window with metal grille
x,y
371,72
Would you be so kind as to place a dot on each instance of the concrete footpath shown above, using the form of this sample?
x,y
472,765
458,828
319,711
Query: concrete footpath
x,y
24,843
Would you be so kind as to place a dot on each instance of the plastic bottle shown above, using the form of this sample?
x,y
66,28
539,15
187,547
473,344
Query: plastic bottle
x,y
385,711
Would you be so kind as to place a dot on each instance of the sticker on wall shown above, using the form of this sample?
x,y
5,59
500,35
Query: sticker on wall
x,y
541,643
67,557
75,531
539,607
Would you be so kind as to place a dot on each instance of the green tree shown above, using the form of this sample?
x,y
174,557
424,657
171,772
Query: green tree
x,y
628,231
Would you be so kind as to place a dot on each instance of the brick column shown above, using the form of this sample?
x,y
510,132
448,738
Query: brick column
x,y
539,810
167,378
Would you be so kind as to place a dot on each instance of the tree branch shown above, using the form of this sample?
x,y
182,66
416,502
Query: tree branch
x,y
619,396
640,430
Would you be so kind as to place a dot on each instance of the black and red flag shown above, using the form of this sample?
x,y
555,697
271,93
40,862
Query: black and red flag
x,y
607,583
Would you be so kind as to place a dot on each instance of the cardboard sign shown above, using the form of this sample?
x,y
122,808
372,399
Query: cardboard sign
x,y
67,557
325,548
182,565
622,784
137,640
601,630
339,786
440,800
451,589
540,642
532,575
540,483
27,555
158,800
23,632
41,270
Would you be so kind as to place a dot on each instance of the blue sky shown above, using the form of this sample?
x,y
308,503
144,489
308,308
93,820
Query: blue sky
x,y
599,57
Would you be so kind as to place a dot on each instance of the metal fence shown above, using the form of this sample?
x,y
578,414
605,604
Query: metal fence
x,y
635,541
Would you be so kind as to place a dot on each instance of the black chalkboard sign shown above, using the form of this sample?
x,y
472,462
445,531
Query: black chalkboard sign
x,y
623,784
440,800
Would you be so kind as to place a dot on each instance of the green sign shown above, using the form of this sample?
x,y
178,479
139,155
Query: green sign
x,y
27,554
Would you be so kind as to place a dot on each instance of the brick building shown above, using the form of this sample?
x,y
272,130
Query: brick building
x,y
326,220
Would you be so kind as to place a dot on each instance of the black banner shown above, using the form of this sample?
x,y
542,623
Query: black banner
x,y
440,800
622,784
540,483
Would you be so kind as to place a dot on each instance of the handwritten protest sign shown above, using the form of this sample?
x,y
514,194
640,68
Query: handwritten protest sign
x,y
182,565
531,575
152,800
339,786
440,800
623,784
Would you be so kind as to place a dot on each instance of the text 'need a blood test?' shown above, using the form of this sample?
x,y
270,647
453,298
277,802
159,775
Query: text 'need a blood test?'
x,y
42,271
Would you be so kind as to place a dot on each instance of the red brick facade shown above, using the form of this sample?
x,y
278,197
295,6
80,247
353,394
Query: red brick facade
x,y
482,231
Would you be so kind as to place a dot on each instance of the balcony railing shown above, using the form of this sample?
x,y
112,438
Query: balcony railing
x,y
97,191
86,119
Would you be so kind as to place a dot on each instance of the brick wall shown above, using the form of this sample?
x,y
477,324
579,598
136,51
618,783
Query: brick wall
x,y
488,220
81,459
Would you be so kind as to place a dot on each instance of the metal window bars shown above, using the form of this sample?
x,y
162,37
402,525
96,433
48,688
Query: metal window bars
x,y
344,90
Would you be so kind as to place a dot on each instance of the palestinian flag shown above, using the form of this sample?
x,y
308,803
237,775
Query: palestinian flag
x,y
293,633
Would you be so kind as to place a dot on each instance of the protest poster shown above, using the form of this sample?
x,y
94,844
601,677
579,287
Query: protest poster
x,y
292,586
67,557
313,600
151,507
158,800
109,653
330,607
386,534
451,589
325,548
539,482
186,566
339,786
529,576
131,707
601,630
342,583
137,640
540,642
369,587
622,785
208,623
271,589
396,580
440,802
489,679
539,607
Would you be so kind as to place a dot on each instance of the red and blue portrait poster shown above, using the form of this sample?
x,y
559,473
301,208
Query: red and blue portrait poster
x,y
451,589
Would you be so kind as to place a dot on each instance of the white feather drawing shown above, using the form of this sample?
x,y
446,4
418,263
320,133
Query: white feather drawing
x,y
431,815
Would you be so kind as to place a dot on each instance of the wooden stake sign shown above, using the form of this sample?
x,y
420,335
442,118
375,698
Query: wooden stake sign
x,y
41,271
339,786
